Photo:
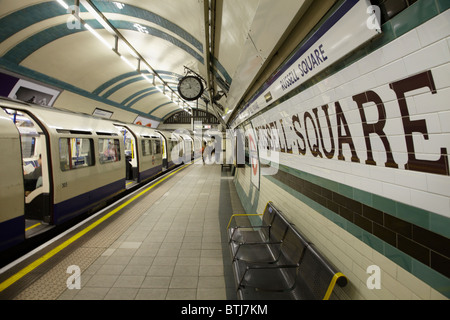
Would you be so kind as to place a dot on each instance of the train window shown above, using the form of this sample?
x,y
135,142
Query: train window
x,y
129,147
28,146
158,147
147,148
173,144
109,150
29,133
75,153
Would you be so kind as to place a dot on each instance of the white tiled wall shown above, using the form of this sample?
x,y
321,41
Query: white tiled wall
x,y
422,49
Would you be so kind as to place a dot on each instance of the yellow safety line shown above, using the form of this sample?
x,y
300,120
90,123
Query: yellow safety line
x,y
33,226
53,252
332,284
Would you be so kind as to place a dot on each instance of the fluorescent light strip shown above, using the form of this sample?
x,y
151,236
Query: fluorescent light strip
x,y
63,4
119,5
131,51
147,78
99,37
97,16
128,62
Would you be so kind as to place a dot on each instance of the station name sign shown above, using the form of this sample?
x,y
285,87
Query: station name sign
x,y
324,132
344,31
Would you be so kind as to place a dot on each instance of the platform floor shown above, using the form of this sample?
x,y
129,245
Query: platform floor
x,y
169,244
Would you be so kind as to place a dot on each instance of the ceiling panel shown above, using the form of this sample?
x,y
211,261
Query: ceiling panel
x,y
108,55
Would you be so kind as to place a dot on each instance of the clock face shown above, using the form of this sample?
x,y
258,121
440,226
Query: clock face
x,y
190,88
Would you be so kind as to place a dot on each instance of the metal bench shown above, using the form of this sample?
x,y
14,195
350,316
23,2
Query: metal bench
x,y
240,230
273,261
262,242
224,165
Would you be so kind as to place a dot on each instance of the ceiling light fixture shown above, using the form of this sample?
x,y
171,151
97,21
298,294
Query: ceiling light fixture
x,y
63,4
147,78
140,60
97,16
140,28
128,62
131,50
119,5
98,36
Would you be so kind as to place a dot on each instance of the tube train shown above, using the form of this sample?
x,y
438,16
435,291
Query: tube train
x,y
56,165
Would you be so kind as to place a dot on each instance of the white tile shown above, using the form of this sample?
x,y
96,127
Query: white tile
x,y
431,202
428,57
359,170
351,72
370,185
371,62
347,104
431,148
411,179
336,80
385,93
389,73
381,173
444,118
396,141
394,115
439,184
344,91
430,103
401,47
353,117
432,122
396,192
435,29
364,83
441,76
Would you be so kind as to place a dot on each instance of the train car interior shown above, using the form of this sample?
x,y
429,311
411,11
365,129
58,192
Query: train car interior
x,y
131,154
35,172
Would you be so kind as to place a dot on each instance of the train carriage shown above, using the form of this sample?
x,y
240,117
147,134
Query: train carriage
x,y
197,147
170,143
186,147
61,164
143,151
12,221
75,161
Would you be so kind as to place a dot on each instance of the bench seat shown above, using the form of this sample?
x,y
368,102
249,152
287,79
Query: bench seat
x,y
273,261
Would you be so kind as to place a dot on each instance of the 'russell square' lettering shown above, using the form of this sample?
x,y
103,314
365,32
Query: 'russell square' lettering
x,y
314,59
308,130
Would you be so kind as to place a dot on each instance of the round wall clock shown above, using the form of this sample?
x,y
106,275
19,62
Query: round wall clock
x,y
190,88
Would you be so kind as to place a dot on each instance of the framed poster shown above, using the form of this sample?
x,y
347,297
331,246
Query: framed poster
x,y
31,92
142,121
102,113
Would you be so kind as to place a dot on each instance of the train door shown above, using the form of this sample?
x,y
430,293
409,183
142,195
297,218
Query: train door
x,y
165,157
36,171
132,163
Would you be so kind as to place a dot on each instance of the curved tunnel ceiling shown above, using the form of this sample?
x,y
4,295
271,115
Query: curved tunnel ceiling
x,y
130,55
